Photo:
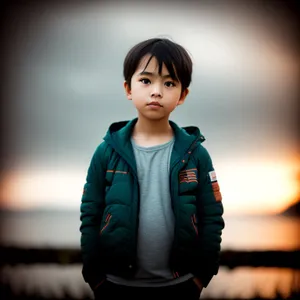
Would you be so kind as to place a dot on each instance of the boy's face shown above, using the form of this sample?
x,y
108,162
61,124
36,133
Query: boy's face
x,y
154,96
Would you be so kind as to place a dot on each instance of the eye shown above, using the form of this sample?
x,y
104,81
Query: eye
x,y
145,80
170,84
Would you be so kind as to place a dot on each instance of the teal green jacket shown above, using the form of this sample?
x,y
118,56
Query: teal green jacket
x,y
110,208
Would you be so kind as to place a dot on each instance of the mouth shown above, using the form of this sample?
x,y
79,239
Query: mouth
x,y
154,103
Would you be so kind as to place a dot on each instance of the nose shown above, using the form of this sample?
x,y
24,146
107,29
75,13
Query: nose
x,y
156,91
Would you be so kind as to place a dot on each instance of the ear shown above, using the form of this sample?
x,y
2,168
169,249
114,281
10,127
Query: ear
x,y
127,90
183,96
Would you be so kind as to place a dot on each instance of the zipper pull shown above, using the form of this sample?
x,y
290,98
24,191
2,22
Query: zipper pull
x,y
175,274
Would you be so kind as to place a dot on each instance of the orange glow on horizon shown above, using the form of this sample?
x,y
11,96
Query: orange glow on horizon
x,y
42,188
247,188
259,188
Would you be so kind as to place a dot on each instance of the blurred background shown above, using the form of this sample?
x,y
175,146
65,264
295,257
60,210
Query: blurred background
x,y
62,86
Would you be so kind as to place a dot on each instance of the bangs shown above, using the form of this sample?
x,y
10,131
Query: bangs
x,y
163,58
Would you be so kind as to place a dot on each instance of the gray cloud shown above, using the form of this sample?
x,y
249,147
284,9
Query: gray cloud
x,y
64,75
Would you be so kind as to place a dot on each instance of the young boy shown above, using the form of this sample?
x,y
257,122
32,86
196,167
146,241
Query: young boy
x,y
151,210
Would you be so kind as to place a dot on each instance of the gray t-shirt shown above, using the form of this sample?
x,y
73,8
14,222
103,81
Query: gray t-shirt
x,y
156,218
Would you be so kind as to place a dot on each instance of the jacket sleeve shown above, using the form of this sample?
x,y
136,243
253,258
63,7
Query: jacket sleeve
x,y
210,223
91,210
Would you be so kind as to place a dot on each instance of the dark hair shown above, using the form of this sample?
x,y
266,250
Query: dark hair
x,y
174,56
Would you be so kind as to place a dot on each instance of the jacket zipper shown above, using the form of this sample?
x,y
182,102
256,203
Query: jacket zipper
x,y
134,173
107,220
175,273
138,214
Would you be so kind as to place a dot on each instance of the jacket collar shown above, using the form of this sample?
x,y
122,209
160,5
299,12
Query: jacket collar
x,y
119,137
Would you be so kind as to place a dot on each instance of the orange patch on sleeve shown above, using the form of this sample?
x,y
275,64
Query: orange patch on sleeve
x,y
216,190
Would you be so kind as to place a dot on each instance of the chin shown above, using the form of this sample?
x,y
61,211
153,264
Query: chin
x,y
153,117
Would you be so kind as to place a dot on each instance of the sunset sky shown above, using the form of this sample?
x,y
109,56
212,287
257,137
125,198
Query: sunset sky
x,y
63,87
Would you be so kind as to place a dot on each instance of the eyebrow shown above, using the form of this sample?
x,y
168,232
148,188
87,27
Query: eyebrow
x,y
152,74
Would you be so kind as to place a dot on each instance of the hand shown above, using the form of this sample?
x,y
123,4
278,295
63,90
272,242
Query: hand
x,y
198,283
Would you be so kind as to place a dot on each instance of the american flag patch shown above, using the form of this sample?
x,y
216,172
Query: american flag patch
x,y
188,176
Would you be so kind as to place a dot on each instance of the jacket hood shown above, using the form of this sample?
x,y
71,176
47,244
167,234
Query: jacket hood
x,y
119,137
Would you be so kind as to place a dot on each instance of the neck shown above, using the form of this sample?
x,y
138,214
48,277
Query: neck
x,y
152,128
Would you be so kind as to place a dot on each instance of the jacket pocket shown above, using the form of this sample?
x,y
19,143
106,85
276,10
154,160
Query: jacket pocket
x,y
195,223
106,222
